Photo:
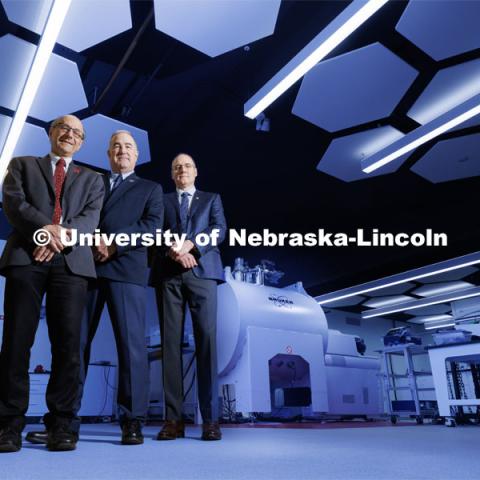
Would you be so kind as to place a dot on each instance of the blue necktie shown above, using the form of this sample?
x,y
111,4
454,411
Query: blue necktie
x,y
184,211
116,182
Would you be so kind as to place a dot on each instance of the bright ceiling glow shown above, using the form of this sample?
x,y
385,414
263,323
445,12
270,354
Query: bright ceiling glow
x,y
53,25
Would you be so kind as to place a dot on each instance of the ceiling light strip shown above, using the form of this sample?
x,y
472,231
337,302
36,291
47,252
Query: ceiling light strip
x,y
398,279
475,292
440,326
357,13
423,134
438,318
53,25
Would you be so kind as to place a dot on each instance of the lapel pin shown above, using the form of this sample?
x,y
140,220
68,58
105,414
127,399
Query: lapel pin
x,y
76,170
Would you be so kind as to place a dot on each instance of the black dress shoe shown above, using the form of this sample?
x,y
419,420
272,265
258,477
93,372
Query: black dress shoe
x,y
172,429
61,439
10,439
211,431
132,433
38,438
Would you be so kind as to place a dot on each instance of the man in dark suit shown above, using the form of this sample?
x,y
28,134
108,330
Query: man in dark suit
x,y
188,274
50,193
132,205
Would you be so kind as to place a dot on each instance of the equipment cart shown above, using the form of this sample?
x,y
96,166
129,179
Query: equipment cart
x,y
414,407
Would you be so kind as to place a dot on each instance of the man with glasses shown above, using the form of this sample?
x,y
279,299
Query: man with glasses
x,y
50,193
189,275
132,205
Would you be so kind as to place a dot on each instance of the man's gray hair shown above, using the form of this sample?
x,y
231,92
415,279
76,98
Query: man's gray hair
x,y
118,132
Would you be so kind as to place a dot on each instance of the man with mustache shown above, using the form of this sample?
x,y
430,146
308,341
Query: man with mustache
x,y
49,193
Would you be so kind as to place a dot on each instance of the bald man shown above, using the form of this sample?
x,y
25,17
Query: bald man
x,y
189,275
49,193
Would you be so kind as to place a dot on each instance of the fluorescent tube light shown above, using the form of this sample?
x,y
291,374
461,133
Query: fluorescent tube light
x,y
405,277
435,318
435,289
475,292
389,301
440,326
423,134
53,25
357,13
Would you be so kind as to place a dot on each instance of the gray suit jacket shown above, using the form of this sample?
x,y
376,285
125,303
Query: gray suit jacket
x,y
28,203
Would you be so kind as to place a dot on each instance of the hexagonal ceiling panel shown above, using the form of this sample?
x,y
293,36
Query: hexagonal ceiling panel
x,y
16,56
443,28
343,156
61,81
33,139
216,26
354,88
451,159
450,87
86,24
99,129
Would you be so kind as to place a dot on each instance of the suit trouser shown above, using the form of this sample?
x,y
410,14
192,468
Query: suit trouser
x,y
65,301
201,296
126,307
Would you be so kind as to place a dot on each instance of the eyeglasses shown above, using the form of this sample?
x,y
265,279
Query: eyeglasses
x,y
78,134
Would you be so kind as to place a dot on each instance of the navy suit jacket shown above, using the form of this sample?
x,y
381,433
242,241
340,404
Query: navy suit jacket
x,y
28,203
206,214
135,206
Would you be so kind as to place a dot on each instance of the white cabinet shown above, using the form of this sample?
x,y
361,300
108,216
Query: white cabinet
x,y
38,387
99,396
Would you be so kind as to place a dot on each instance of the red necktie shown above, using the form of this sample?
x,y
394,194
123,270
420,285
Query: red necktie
x,y
58,179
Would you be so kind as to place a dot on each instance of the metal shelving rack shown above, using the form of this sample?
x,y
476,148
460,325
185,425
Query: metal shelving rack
x,y
414,407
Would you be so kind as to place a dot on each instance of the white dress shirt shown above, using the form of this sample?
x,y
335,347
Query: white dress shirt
x,y
55,158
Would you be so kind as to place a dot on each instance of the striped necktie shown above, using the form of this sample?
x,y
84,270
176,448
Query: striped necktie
x,y
184,211
116,182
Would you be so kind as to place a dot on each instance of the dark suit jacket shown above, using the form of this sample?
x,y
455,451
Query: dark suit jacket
x,y
28,203
206,214
135,206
